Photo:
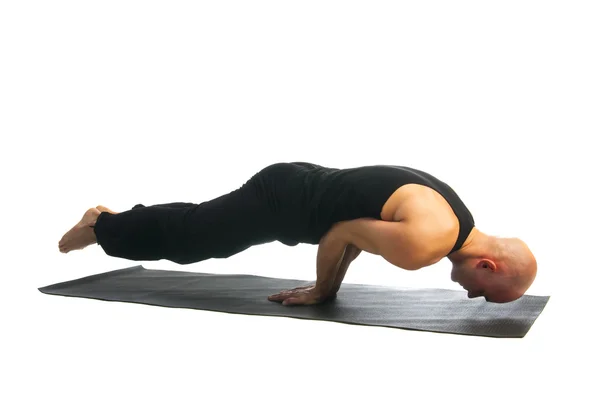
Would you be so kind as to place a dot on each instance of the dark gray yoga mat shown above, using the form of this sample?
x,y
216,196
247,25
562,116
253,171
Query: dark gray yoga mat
x,y
434,310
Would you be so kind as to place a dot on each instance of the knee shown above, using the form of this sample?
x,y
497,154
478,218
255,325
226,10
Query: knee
x,y
277,172
181,260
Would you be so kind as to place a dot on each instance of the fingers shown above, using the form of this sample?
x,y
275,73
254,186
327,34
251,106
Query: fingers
x,y
290,297
276,297
284,294
281,295
297,300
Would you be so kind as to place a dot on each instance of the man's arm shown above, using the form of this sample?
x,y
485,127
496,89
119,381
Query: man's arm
x,y
401,243
330,258
398,242
349,255
311,294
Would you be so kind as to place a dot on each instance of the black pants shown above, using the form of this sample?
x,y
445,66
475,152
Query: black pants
x,y
186,232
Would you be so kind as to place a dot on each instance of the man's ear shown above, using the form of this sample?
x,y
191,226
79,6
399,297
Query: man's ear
x,y
487,264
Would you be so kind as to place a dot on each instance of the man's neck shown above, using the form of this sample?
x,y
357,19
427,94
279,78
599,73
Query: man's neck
x,y
471,248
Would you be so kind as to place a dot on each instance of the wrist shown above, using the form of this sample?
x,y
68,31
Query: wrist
x,y
323,289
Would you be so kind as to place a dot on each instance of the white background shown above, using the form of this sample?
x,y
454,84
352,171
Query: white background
x,y
126,102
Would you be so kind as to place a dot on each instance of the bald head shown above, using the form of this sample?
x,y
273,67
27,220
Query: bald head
x,y
500,269
518,262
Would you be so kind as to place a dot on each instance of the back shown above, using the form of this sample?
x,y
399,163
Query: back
x,y
316,197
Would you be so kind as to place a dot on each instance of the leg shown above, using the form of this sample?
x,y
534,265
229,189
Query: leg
x,y
185,233
174,205
188,233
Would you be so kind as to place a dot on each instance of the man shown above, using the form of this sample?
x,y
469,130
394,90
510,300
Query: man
x,y
407,216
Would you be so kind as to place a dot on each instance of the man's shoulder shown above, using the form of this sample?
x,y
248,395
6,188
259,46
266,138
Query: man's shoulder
x,y
406,244
430,219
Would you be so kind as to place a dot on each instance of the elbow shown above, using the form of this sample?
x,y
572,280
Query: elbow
x,y
411,264
410,267
335,234
420,266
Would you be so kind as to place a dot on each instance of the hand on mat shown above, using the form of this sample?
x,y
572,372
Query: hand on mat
x,y
304,295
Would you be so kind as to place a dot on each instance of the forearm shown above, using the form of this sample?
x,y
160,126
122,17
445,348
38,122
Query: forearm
x,y
350,255
331,259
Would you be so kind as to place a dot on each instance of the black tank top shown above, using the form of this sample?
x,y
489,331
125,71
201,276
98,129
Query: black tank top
x,y
316,197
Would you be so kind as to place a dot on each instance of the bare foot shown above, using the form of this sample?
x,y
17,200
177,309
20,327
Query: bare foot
x,y
81,235
105,209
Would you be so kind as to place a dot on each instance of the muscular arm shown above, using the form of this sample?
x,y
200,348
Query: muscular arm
x,y
397,242
331,254
349,255
333,259
401,243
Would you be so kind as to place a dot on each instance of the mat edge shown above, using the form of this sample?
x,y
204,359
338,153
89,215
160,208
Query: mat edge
x,y
91,277
301,281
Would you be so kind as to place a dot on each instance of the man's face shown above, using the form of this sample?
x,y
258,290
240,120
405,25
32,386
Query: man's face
x,y
467,278
478,283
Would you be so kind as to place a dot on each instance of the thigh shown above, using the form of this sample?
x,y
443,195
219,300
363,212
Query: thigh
x,y
307,165
225,226
289,193
174,205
